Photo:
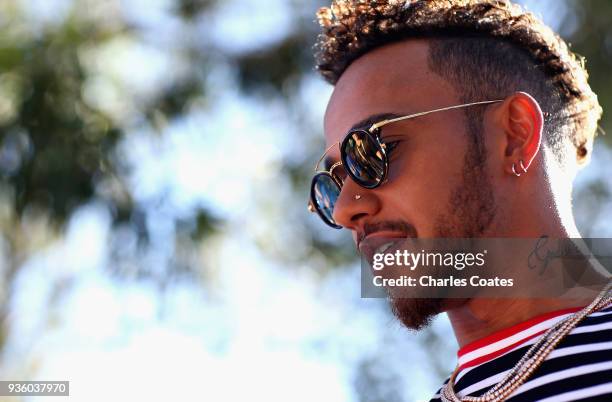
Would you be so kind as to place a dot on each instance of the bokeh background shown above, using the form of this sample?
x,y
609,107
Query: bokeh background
x,y
154,239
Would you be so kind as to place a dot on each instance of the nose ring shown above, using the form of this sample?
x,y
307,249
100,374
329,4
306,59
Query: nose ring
x,y
357,196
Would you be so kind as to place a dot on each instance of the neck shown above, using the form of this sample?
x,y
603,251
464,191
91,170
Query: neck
x,y
478,317
481,317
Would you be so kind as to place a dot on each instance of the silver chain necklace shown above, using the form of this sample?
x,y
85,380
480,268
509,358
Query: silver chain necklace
x,y
532,359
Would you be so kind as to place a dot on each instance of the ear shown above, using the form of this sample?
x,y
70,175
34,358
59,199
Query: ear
x,y
523,124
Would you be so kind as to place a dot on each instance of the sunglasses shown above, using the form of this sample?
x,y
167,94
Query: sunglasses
x,y
364,157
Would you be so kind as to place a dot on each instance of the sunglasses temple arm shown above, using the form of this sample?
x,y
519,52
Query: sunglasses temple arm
x,y
323,156
410,116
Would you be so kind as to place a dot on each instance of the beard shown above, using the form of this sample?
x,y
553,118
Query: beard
x,y
416,313
471,210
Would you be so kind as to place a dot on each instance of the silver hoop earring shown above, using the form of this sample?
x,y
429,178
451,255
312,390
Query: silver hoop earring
x,y
357,196
514,170
522,166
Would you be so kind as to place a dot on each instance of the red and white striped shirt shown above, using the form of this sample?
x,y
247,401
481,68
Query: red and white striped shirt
x,y
578,369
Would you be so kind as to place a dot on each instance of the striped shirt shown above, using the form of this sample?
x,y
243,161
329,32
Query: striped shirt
x,y
578,369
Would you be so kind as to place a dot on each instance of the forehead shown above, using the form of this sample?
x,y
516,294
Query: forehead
x,y
392,79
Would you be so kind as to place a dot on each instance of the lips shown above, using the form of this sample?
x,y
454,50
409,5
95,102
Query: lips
x,y
379,243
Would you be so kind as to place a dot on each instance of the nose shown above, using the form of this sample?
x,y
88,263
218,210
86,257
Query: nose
x,y
355,204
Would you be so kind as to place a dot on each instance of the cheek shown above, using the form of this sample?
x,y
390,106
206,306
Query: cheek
x,y
421,181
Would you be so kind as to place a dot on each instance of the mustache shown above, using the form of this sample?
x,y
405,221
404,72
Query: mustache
x,y
394,226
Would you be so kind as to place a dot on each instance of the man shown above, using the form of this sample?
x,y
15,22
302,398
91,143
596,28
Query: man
x,y
467,119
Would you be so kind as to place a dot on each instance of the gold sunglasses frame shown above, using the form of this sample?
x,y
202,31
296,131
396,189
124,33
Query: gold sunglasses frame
x,y
382,123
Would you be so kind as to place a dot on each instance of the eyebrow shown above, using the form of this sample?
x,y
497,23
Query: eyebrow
x,y
374,118
362,124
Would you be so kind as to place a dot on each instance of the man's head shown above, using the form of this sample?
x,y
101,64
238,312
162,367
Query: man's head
x,y
451,173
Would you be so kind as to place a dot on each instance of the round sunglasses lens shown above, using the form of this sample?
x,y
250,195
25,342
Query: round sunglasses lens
x,y
364,159
325,192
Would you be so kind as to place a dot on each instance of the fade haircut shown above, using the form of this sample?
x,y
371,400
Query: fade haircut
x,y
487,49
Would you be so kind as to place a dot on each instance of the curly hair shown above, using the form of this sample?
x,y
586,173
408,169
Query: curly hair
x,y
488,48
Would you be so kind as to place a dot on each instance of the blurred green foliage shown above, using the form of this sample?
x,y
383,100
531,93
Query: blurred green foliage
x,y
58,141
56,147
592,38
